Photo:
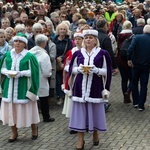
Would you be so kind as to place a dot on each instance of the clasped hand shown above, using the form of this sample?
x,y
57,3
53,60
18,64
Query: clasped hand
x,y
18,75
94,69
14,76
80,69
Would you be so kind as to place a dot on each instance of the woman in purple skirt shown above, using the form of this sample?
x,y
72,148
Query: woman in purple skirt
x,y
90,73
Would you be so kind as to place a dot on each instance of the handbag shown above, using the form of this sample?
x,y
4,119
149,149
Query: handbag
x,y
105,92
59,64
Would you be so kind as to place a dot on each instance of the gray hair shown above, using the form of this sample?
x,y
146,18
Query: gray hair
x,y
37,26
20,27
50,22
140,21
127,25
40,38
148,21
101,23
53,14
146,29
2,31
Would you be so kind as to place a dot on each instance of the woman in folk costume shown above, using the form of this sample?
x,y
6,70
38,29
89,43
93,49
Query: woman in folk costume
x,y
78,38
87,69
19,87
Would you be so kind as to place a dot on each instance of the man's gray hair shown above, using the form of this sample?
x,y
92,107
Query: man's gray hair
x,y
53,14
146,29
148,21
101,23
140,21
40,38
37,26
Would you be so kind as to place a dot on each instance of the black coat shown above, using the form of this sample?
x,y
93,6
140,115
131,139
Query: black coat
x,y
31,43
61,46
105,43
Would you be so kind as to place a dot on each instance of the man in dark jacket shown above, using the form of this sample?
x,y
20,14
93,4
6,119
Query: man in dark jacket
x,y
37,29
136,15
105,41
139,59
140,26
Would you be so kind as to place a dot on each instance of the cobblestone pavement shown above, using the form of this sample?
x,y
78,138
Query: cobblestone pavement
x,y
128,129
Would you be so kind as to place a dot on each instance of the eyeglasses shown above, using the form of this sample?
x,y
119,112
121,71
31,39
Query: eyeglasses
x,y
64,16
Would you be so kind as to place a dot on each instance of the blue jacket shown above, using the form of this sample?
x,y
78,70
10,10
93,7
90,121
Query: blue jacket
x,y
139,51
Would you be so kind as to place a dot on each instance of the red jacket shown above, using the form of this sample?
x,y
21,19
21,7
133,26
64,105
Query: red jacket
x,y
121,37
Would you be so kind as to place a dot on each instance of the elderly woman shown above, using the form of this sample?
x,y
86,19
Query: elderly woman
x,y
20,28
19,88
55,19
45,72
63,44
88,68
124,69
50,27
9,35
51,50
42,22
5,23
4,46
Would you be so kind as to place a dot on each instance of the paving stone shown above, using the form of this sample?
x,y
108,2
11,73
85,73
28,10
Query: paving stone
x,y
128,129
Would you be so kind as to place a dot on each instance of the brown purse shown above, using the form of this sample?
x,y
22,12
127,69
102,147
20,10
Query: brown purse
x,y
59,64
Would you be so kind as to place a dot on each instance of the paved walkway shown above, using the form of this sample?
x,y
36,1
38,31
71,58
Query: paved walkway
x,y
128,129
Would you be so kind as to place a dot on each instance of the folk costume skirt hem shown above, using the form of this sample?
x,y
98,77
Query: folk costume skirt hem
x,y
87,117
21,115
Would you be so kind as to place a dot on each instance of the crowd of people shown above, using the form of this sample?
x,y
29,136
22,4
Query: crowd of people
x,y
71,53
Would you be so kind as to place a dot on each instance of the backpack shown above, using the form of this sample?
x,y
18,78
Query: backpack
x,y
124,47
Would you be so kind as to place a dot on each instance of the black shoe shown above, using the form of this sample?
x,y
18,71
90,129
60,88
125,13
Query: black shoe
x,y
12,140
34,137
73,132
96,143
127,98
49,120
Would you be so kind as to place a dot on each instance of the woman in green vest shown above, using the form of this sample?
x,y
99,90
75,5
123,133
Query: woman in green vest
x,y
19,78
